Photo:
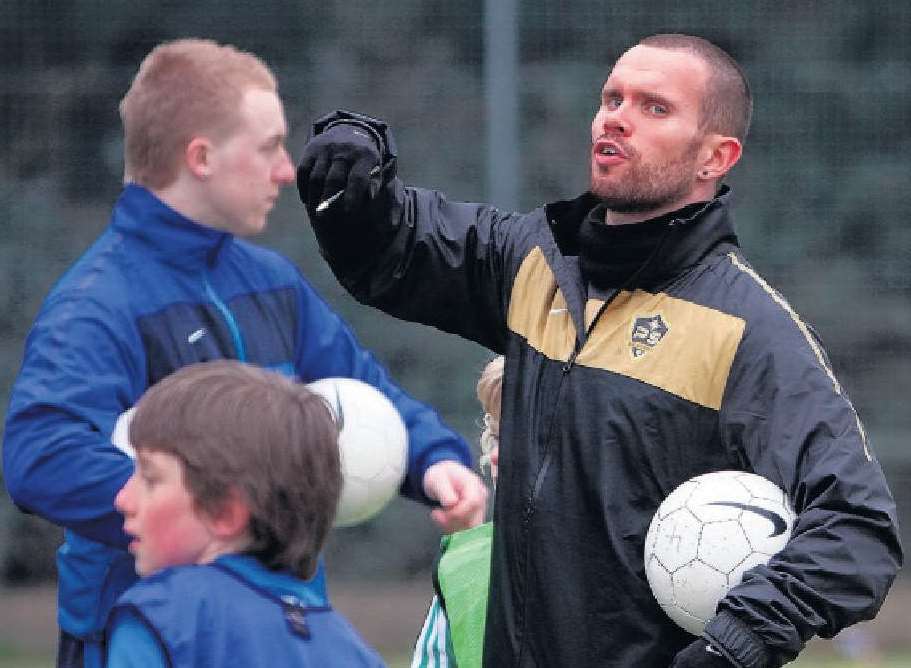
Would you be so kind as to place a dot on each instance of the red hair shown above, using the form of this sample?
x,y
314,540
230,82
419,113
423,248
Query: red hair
x,y
184,89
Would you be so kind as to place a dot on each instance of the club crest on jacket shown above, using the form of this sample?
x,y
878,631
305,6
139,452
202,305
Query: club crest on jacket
x,y
648,331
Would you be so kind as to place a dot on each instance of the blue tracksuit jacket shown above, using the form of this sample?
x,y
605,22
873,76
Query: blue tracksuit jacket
x,y
155,292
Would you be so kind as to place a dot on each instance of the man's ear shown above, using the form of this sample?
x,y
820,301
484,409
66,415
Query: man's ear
x,y
233,516
198,157
721,154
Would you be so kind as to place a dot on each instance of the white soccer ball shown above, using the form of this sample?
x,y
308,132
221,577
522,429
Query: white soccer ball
x,y
706,534
120,437
373,444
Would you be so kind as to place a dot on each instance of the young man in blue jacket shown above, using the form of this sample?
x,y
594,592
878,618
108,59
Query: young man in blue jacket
x,y
236,484
641,349
170,282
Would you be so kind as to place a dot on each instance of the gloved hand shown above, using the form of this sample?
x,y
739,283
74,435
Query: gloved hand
x,y
345,157
700,654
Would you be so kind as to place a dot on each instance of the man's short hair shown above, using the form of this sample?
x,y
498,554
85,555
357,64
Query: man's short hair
x,y
235,426
183,89
728,103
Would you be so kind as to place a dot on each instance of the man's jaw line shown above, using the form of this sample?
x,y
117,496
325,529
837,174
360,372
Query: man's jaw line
x,y
633,211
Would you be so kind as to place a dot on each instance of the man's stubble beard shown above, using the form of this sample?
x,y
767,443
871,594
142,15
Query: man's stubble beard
x,y
649,186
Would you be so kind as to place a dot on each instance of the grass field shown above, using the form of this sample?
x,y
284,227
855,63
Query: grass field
x,y
897,661
389,615
15,659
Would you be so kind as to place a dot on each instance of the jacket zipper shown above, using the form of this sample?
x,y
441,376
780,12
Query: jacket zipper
x,y
228,317
566,368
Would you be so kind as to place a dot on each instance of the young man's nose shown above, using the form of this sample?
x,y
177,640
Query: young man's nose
x,y
284,171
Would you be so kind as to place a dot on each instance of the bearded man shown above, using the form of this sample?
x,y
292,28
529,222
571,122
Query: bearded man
x,y
641,349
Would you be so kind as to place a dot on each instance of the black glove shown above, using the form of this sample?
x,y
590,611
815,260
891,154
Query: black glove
x,y
350,154
700,654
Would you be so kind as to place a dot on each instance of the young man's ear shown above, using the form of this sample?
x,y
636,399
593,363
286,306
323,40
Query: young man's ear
x,y
198,157
233,516
721,154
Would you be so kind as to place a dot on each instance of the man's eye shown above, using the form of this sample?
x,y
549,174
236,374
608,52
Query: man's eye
x,y
614,102
657,109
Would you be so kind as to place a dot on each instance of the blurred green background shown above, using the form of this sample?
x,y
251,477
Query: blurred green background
x,y
822,200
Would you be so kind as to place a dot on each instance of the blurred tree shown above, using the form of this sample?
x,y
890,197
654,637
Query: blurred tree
x,y
822,190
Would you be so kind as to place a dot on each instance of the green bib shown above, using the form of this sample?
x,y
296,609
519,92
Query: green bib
x,y
464,574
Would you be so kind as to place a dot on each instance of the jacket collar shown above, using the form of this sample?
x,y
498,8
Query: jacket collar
x,y
277,584
689,238
138,213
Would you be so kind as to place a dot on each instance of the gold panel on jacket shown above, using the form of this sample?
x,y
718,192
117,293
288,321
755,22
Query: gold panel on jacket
x,y
681,347
537,309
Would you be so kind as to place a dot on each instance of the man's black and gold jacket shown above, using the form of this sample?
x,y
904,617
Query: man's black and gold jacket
x,y
611,401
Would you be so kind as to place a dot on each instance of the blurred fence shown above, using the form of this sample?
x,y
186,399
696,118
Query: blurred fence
x,y
822,191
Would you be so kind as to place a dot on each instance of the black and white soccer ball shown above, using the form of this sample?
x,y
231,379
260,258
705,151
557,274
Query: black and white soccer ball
x,y
373,445
706,534
120,437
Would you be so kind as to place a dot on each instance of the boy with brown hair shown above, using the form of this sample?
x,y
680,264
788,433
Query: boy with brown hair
x,y
236,485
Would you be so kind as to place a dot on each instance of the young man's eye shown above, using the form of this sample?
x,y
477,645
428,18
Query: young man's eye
x,y
656,109
273,145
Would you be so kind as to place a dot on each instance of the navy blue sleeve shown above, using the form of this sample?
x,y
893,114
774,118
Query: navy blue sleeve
x,y
787,413
74,382
419,256
449,265
328,348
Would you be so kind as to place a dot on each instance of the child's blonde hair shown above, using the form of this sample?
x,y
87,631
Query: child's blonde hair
x,y
490,392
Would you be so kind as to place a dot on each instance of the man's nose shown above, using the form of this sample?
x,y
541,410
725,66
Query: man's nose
x,y
615,121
